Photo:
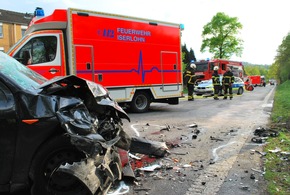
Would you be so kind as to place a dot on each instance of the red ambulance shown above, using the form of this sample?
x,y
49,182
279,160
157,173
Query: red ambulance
x,y
257,80
138,60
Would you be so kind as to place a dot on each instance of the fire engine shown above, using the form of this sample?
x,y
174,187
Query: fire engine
x,y
138,60
204,68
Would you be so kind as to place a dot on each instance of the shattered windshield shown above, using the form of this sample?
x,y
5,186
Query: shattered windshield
x,y
21,75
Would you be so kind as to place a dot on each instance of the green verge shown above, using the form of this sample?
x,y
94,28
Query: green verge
x,y
277,164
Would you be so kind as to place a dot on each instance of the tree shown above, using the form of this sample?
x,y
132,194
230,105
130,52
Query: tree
x,y
220,36
185,52
187,55
273,71
252,70
191,55
282,60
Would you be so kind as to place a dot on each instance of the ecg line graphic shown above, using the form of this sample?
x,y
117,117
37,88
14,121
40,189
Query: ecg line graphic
x,y
139,70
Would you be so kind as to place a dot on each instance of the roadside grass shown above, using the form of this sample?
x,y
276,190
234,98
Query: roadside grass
x,y
281,106
185,91
277,162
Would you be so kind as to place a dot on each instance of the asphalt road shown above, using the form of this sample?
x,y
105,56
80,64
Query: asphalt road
x,y
216,157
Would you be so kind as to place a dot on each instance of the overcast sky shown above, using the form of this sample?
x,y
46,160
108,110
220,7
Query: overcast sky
x,y
265,22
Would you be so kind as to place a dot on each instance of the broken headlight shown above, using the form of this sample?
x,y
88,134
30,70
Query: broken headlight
x,y
77,120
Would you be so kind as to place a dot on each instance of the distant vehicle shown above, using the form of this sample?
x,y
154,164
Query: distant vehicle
x,y
204,68
206,87
272,82
257,80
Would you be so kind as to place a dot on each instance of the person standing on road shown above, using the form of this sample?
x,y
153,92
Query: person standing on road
x,y
216,82
189,80
227,81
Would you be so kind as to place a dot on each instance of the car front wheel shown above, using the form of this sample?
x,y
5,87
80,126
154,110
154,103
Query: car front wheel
x,y
50,156
240,91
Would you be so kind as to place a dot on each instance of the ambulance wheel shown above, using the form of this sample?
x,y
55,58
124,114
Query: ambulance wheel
x,y
240,91
140,102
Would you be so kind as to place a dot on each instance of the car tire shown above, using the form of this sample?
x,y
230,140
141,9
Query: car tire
x,y
240,91
49,157
140,103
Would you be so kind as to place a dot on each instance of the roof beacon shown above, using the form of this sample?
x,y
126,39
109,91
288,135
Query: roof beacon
x,y
38,12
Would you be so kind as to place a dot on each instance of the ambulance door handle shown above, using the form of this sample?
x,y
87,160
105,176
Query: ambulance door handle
x,y
88,65
53,70
100,77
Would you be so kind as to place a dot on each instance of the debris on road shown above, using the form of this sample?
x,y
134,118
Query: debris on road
x,y
142,189
192,125
150,168
216,139
252,176
262,132
245,187
144,146
122,189
259,171
259,140
179,153
276,150
166,128
261,153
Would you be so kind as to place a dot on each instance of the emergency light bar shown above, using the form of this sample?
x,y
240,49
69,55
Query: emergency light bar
x,y
38,12
181,26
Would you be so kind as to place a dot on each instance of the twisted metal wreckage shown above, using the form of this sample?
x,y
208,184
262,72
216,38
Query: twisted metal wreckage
x,y
94,126
99,135
66,132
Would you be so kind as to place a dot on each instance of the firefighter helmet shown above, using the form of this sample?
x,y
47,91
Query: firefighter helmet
x,y
192,65
216,68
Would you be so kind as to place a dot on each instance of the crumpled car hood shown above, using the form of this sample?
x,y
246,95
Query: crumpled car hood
x,y
92,93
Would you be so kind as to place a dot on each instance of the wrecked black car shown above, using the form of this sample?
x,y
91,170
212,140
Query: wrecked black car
x,y
59,136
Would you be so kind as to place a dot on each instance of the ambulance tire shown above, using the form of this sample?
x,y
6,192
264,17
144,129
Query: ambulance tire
x,y
56,151
140,103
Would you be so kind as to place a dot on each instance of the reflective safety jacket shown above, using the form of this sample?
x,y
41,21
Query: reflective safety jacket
x,y
228,78
215,78
189,76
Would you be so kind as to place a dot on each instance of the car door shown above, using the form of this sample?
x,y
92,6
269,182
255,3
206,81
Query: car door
x,y
8,131
42,52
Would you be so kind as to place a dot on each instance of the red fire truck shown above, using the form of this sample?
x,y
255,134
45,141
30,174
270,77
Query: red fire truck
x,y
204,68
257,80
138,60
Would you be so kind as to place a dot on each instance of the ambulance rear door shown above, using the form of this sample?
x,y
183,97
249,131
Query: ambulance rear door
x,y
84,62
170,72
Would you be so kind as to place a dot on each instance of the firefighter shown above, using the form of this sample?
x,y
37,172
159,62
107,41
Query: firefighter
x,y
227,81
189,80
216,82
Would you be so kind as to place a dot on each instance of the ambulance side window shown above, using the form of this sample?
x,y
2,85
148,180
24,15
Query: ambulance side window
x,y
38,50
